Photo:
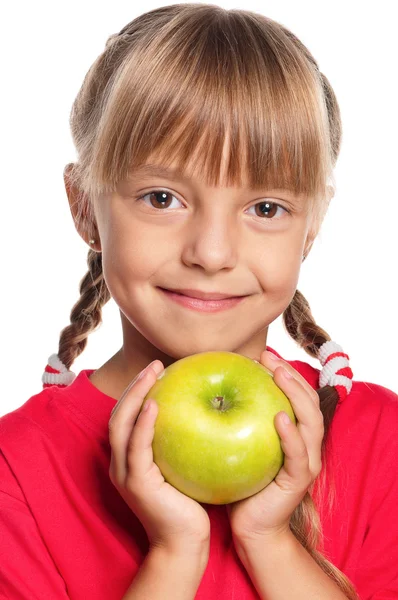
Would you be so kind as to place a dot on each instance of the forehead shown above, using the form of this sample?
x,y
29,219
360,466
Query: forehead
x,y
197,168
193,167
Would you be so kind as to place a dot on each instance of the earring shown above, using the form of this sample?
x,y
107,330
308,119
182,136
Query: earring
x,y
92,242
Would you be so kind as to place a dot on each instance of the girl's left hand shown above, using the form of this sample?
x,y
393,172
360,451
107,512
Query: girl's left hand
x,y
269,511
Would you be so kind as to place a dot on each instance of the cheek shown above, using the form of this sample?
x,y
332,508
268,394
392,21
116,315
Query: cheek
x,y
278,277
130,255
279,284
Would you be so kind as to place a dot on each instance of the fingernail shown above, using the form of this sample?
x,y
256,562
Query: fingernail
x,y
157,366
286,418
146,405
286,374
271,355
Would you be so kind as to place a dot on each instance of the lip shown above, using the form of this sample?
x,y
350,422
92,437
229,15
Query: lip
x,y
201,305
202,295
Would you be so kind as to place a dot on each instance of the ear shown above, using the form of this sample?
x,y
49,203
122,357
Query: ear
x,y
79,207
309,240
313,234
330,193
307,249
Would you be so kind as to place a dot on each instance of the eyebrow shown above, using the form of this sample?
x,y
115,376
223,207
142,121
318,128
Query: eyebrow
x,y
153,170
158,170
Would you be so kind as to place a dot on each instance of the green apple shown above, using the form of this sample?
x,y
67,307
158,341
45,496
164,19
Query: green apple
x,y
215,438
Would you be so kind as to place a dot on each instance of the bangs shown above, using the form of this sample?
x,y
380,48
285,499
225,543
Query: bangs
x,y
210,89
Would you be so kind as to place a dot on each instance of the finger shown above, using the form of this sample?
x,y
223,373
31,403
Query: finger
x,y
310,418
122,422
139,450
304,408
296,461
272,362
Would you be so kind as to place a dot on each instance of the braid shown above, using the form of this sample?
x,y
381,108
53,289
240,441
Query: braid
x,y
301,326
86,314
305,521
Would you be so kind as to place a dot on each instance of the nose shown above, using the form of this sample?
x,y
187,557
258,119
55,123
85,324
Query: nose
x,y
211,241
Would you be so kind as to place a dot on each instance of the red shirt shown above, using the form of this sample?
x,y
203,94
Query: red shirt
x,y
65,532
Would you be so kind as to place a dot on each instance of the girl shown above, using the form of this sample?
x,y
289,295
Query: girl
x,y
206,143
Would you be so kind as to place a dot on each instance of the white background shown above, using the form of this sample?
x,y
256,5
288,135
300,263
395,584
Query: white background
x,y
350,275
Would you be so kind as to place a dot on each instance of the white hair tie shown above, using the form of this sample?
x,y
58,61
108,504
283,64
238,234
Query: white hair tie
x,y
336,370
56,373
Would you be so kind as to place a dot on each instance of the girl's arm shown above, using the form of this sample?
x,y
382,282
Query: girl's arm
x,y
164,574
281,568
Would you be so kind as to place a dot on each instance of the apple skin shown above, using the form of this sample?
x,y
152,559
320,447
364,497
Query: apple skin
x,y
213,455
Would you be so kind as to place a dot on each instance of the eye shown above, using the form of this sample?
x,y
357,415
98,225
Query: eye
x,y
158,199
268,209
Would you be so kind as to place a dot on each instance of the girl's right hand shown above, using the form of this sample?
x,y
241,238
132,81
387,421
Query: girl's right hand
x,y
171,519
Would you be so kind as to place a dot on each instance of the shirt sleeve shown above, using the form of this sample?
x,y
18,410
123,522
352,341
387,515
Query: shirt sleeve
x,y
378,565
27,571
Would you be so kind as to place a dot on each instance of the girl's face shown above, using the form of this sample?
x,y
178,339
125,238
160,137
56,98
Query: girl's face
x,y
184,234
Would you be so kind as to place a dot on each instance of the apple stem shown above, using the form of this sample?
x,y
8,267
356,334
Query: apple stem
x,y
220,401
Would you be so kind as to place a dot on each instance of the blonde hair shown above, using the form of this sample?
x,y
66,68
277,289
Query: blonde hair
x,y
176,82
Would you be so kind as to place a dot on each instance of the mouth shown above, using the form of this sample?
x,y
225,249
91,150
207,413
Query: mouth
x,y
212,304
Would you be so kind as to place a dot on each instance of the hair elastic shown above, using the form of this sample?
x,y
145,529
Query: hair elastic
x,y
336,370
